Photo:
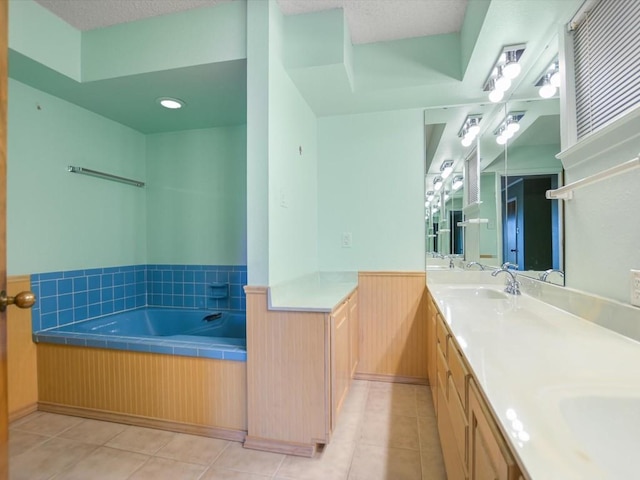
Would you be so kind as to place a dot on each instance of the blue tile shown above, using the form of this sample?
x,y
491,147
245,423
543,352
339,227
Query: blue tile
x,y
106,280
80,299
178,267
118,304
140,276
178,276
243,278
141,300
65,317
167,301
52,339
189,352
127,268
93,272
166,349
138,347
65,301
118,279
117,344
96,343
189,276
167,276
222,277
156,276
35,277
178,289
235,277
210,353
167,288
111,270
199,277
93,282
80,284
107,294
95,310
140,288
48,288
118,292
74,273
189,289
235,290
210,276
49,320
130,302
194,267
155,300
107,307
48,304
65,286
51,276
80,313
129,290
140,267
129,277
237,356
189,301
94,296
236,304
177,301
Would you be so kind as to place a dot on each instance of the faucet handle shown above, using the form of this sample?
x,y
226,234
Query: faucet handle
x,y
509,264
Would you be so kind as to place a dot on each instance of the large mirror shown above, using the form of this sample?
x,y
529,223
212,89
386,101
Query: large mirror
x,y
497,211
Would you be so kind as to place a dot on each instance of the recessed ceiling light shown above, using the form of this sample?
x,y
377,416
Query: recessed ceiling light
x,y
171,103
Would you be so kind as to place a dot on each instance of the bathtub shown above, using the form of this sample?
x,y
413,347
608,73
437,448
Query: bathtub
x,y
187,332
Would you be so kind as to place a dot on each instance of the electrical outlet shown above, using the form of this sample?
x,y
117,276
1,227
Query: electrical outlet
x,y
635,288
346,239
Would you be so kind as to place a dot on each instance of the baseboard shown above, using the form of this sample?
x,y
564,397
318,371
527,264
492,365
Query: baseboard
x,y
376,377
22,412
279,446
202,430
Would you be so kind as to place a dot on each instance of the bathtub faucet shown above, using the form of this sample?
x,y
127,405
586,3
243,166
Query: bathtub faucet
x,y
213,316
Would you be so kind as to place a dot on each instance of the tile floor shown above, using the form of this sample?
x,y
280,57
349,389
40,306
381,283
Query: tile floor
x,y
385,431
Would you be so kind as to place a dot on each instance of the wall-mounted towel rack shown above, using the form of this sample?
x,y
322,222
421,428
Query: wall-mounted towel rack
x,y
106,176
566,192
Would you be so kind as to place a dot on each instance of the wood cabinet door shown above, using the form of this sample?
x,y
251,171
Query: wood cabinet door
x,y
340,355
354,332
432,343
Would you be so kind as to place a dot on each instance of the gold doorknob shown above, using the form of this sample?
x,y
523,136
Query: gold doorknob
x,y
21,300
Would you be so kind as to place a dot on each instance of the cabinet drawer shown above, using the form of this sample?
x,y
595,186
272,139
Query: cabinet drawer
x,y
459,423
459,372
442,370
441,334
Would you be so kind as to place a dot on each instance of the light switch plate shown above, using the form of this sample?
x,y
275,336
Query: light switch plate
x,y
635,288
346,239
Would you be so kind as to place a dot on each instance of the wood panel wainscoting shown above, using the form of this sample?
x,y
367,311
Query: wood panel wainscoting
x,y
186,394
298,372
22,367
393,327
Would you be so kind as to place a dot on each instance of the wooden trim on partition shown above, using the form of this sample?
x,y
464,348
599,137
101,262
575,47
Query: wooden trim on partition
x,y
278,446
214,432
391,378
393,324
22,359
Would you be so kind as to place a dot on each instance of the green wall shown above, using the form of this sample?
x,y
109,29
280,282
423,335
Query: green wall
x,y
371,184
61,221
196,197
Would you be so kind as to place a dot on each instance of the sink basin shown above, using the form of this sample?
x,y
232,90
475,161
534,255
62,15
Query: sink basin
x,y
608,431
477,292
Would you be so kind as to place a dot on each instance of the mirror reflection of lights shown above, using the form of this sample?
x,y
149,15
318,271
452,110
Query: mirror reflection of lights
x,y
516,427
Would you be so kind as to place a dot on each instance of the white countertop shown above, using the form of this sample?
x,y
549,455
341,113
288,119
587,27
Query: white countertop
x,y
317,292
565,390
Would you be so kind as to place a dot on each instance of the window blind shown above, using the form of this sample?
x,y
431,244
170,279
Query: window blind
x,y
472,177
607,63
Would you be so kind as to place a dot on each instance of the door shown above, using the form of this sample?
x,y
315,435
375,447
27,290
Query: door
x,y
4,466
511,233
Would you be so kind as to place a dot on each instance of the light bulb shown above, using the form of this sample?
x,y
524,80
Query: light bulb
x,y
457,183
446,172
438,185
446,197
503,83
507,133
474,129
513,126
501,139
555,79
496,95
512,69
547,90
466,141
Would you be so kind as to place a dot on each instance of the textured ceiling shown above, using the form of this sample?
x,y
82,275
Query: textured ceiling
x,y
90,14
381,20
369,20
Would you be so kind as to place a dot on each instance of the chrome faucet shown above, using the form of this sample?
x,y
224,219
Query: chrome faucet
x,y
546,273
513,286
471,264
506,265
451,265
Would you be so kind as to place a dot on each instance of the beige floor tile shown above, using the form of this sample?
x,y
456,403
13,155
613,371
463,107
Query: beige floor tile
x,y
217,473
236,457
25,419
167,469
20,442
371,462
193,449
105,464
47,423
93,431
399,402
428,433
47,459
433,464
347,429
330,464
425,402
141,440
395,431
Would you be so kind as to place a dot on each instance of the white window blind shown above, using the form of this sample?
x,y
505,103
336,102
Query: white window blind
x,y
607,63
472,177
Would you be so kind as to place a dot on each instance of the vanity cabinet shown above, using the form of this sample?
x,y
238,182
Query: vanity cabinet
x,y
472,445
299,370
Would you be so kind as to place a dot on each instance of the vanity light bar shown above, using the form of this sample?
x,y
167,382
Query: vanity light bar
x,y
509,55
566,192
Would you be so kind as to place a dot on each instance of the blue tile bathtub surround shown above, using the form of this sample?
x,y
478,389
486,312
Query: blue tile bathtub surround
x,y
72,296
